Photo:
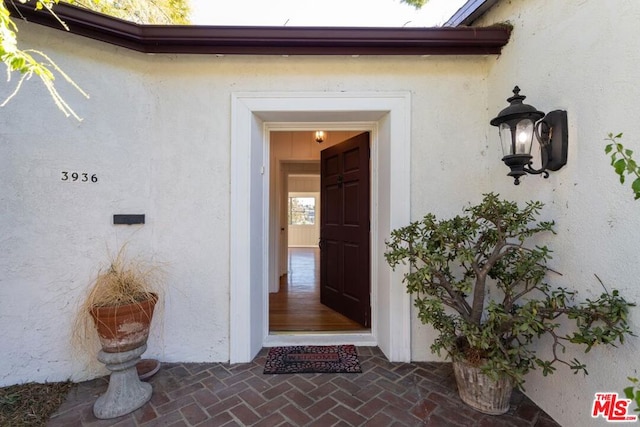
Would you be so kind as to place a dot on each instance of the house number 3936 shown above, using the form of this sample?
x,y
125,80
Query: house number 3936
x,y
78,176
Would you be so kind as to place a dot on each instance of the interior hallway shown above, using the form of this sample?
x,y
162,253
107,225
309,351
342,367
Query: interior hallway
x,y
296,307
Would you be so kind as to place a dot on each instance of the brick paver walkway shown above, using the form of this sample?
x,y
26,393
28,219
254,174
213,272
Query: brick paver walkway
x,y
217,394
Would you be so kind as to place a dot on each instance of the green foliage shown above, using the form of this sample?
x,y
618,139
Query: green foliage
x,y
633,392
30,62
157,12
474,280
415,3
623,163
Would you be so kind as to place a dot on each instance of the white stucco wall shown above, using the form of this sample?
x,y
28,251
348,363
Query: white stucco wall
x,y
156,132
583,57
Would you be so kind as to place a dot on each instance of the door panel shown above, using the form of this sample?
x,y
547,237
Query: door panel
x,y
351,161
344,229
351,205
351,257
331,195
331,167
331,253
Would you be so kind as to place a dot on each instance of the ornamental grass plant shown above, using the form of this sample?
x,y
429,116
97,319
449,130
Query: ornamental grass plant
x,y
124,280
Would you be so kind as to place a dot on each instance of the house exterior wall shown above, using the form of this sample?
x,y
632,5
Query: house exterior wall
x,y
156,133
582,57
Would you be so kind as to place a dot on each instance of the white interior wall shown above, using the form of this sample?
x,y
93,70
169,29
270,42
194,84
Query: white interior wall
x,y
304,184
582,57
160,145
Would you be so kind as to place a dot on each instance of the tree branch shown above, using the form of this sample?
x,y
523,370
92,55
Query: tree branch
x,y
461,305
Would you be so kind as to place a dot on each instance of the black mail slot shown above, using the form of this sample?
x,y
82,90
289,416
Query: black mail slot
x,y
128,219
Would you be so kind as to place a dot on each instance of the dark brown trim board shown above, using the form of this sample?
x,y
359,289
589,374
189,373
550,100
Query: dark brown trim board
x,y
229,40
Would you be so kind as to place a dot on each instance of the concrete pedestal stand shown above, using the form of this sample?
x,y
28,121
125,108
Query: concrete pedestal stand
x,y
126,392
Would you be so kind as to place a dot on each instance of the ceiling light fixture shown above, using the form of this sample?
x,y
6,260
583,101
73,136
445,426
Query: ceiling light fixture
x,y
320,136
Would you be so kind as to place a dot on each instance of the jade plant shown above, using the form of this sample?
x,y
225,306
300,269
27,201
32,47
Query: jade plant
x,y
483,288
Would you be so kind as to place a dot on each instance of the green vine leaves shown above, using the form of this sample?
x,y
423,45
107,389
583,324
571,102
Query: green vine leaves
x,y
623,163
633,392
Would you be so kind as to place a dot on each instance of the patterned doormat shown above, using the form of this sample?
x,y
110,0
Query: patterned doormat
x,y
336,359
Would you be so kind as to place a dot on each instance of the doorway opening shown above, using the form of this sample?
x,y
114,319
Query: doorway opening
x,y
253,268
295,304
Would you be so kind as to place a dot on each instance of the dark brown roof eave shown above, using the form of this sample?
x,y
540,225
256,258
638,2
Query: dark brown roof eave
x,y
271,40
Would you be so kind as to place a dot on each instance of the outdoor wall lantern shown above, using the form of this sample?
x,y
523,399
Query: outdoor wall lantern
x,y
518,123
320,135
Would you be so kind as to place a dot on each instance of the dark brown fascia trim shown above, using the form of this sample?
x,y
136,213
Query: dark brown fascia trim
x,y
270,40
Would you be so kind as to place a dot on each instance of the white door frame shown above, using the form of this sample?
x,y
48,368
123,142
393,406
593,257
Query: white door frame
x,y
254,114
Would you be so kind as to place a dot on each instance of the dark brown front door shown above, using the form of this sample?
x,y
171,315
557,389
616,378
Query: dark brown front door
x,y
344,229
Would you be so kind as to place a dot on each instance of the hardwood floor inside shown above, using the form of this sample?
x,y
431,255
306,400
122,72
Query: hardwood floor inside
x,y
296,307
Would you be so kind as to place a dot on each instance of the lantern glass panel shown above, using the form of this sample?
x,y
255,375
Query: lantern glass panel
x,y
523,137
506,139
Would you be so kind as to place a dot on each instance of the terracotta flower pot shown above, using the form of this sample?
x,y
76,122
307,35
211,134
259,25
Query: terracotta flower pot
x,y
124,327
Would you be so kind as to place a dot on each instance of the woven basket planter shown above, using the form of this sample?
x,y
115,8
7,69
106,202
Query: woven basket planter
x,y
480,391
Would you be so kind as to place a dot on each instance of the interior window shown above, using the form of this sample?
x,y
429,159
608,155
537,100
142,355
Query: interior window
x,y
302,210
